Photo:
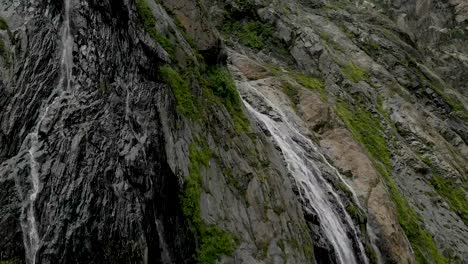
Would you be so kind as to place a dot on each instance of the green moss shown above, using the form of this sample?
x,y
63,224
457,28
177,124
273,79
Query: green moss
x,y
214,242
454,194
367,129
422,242
311,83
354,73
292,92
3,24
335,6
186,101
347,32
459,33
254,34
370,45
149,23
345,189
426,161
220,84
11,261
451,100
330,42
438,86
370,252
243,24
356,214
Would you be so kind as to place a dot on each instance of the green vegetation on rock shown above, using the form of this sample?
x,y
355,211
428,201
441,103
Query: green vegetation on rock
x,y
253,34
311,83
3,24
459,33
367,129
186,102
11,261
149,23
292,92
421,240
218,82
454,194
244,25
327,38
354,73
214,242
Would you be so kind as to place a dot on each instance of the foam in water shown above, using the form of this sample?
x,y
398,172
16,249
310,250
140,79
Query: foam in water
x,y
32,241
316,191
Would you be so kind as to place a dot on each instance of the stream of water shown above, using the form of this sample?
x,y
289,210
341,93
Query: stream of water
x,y
29,225
315,191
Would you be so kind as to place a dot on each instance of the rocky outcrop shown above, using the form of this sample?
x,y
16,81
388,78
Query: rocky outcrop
x,y
117,163
337,133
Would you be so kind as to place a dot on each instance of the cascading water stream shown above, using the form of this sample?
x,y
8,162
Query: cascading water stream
x,y
32,241
317,192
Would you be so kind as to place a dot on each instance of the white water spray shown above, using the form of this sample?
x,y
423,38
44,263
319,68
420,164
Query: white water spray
x,y
314,189
32,241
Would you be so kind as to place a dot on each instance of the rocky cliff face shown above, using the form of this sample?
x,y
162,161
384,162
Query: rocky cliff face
x,y
141,131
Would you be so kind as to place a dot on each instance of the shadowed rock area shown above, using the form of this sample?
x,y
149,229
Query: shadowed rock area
x,y
246,131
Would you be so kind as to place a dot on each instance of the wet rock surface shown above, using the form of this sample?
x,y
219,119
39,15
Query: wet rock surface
x,y
375,92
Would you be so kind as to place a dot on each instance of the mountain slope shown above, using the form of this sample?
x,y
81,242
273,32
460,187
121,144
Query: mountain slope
x,y
302,131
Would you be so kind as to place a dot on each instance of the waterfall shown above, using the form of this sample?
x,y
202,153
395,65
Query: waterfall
x,y
314,189
32,241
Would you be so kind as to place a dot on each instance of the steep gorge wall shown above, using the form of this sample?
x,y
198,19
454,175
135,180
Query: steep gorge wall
x,y
152,157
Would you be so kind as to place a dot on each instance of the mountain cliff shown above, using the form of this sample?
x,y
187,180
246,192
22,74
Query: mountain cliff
x,y
233,131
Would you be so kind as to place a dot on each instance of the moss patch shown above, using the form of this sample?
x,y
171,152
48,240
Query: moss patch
x,y
218,82
354,73
311,83
149,23
454,194
252,34
292,92
3,24
214,242
186,101
367,129
327,38
422,242
243,24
